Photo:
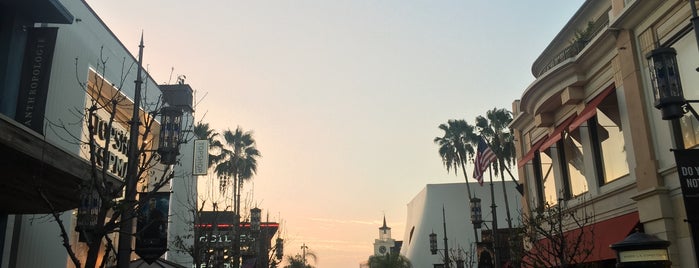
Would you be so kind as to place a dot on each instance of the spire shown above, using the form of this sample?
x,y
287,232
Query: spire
x,y
384,227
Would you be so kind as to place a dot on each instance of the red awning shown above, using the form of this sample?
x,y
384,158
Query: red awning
x,y
591,108
604,234
530,155
556,135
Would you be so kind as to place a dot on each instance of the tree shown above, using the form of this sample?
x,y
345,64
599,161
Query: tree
x,y
389,261
556,236
105,141
456,146
299,261
494,129
238,160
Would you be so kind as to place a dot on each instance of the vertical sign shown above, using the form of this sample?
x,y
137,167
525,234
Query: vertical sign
x,y
34,82
688,170
201,157
151,228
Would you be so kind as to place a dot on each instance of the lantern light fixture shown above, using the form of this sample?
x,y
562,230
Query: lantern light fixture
x,y
433,243
476,214
665,79
255,219
280,248
170,134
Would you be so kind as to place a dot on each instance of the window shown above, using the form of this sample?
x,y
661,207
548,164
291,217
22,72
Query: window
x,y
574,164
547,182
608,140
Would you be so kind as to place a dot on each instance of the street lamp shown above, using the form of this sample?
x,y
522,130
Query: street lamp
x,y
433,241
669,98
178,99
280,248
665,78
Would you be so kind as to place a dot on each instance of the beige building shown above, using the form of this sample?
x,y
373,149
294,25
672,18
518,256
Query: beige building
x,y
588,134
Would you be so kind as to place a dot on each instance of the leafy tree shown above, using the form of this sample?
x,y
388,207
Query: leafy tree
x,y
389,261
238,160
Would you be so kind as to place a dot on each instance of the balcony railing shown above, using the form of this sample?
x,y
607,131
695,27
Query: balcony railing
x,y
581,40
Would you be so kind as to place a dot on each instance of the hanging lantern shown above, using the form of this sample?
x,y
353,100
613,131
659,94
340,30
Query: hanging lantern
x,y
433,243
88,211
170,134
476,215
665,78
280,248
255,218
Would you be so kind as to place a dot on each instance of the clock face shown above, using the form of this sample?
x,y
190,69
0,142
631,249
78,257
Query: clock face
x,y
382,249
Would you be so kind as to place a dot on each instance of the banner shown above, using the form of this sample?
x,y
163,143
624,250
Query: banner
x,y
688,171
34,81
151,228
201,157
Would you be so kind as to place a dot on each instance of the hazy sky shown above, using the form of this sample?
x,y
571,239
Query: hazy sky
x,y
344,97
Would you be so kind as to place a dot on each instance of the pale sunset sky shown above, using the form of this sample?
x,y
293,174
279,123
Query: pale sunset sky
x,y
344,96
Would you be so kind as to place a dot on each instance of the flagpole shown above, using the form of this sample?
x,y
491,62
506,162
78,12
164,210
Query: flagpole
x,y
493,208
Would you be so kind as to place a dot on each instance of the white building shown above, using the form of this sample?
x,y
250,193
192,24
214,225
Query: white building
x,y
425,217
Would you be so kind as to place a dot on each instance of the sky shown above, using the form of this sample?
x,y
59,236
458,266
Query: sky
x,y
344,98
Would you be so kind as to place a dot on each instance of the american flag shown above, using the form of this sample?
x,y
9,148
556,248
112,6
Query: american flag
x,y
484,157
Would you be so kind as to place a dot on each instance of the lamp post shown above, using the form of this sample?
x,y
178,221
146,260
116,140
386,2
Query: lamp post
x,y
433,242
670,100
255,222
170,139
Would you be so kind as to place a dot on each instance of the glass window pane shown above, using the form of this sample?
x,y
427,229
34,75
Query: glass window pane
x,y
549,183
611,139
574,160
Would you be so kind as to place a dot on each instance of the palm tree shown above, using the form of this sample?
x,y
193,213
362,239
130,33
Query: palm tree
x,y
299,261
494,128
238,160
389,261
456,146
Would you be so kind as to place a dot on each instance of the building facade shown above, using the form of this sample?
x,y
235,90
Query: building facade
x,y
425,216
53,62
588,135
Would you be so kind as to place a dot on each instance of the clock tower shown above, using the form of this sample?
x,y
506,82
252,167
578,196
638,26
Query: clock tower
x,y
385,244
